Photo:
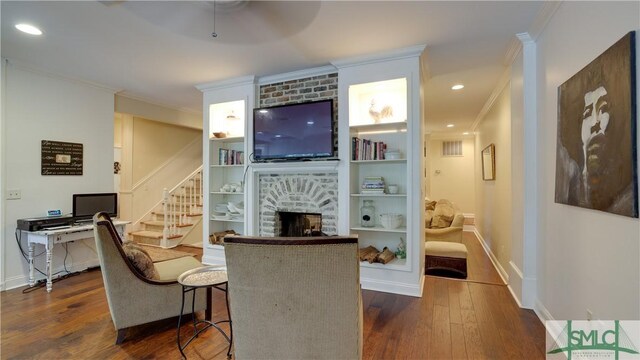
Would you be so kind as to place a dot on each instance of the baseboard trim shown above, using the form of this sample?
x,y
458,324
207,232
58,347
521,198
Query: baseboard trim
x,y
23,280
542,312
469,228
515,282
393,287
496,264
213,260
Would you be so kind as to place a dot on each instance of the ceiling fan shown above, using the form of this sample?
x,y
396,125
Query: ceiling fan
x,y
233,21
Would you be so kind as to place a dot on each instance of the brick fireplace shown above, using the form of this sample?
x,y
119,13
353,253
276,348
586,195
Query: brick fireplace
x,y
312,193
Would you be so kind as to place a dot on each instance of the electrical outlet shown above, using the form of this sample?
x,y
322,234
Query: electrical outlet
x,y
589,315
14,194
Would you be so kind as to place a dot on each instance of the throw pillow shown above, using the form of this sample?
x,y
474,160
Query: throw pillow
x,y
442,215
428,218
140,260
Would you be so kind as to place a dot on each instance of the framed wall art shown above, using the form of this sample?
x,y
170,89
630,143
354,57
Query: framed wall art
x,y
596,165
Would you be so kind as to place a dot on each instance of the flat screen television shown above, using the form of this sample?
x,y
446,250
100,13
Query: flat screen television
x,y
87,205
293,132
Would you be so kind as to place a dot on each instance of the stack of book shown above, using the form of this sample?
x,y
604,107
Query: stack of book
x,y
372,185
230,157
365,149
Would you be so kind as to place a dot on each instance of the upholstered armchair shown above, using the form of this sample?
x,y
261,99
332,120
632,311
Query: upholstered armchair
x,y
134,299
437,222
295,298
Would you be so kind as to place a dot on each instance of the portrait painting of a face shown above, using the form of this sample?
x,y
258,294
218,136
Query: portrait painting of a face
x,y
596,145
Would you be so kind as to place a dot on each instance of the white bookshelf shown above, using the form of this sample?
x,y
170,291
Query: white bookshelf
x,y
379,100
227,107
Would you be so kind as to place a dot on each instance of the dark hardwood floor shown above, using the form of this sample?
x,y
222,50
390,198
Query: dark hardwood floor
x,y
453,320
479,266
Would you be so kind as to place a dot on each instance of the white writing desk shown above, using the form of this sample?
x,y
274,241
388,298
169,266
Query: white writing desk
x,y
50,237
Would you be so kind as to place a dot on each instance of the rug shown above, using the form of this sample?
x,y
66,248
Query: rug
x,y
159,254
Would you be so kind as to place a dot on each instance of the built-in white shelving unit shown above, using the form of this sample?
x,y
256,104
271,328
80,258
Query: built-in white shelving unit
x,y
228,106
379,101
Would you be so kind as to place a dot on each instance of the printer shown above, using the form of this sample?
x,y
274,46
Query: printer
x,y
43,223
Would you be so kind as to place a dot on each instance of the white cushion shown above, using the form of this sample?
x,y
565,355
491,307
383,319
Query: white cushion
x,y
445,249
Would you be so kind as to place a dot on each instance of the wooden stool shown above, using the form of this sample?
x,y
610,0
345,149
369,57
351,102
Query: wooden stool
x,y
445,259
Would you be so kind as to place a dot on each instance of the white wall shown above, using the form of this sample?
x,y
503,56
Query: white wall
x,y
127,105
40,107
493,197
586,259
452,177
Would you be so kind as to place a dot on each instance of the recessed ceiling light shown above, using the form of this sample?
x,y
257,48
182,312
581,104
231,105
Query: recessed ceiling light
x,y
310,123
29,29
457,87
465,133
450,125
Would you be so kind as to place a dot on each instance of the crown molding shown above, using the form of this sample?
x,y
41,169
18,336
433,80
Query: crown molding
x,y
513,49
502,82
227,83
545,14
409,52
298,74
539,24
33,69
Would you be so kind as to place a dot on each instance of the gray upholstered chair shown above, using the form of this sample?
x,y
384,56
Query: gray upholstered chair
x,y
133,299
295,298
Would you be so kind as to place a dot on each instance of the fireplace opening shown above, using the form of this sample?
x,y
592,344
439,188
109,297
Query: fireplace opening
x,y
298,224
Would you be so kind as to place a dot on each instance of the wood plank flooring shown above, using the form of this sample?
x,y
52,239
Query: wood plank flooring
x,y
479,266
453,320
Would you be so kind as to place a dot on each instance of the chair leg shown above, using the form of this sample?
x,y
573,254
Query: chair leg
x,y
120,336
208,313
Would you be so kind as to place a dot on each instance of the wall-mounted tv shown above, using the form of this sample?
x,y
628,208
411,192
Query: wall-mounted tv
x,y
293,132
87,205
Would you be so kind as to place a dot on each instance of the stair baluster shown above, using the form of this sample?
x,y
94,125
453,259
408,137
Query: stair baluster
x,y
179,207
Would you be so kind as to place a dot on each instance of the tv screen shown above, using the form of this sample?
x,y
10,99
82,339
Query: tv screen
x,y
87,205
296,131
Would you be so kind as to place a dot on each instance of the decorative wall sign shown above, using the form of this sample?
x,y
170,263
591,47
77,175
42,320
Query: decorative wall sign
x,y
596,145
61,158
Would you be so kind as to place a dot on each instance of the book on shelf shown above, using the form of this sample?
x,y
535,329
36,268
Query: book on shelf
x,y
230,157
365,149
372,191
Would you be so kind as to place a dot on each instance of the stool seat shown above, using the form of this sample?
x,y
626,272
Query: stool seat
x,y
446,258
447,249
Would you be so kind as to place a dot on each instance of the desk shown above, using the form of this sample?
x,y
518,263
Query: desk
x,y
50,237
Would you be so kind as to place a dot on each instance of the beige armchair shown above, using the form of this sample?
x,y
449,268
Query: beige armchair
x,y
133,299
451,233
295,298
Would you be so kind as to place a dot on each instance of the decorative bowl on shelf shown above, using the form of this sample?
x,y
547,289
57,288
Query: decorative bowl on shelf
x,y
219,135
390,220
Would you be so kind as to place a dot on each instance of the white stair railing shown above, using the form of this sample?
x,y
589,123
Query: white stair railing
x,y
180,203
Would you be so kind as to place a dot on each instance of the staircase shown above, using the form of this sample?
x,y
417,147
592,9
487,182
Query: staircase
x,y
174,216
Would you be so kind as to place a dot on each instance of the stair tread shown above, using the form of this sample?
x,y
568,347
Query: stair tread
x,y
148,233
153,234
161,223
